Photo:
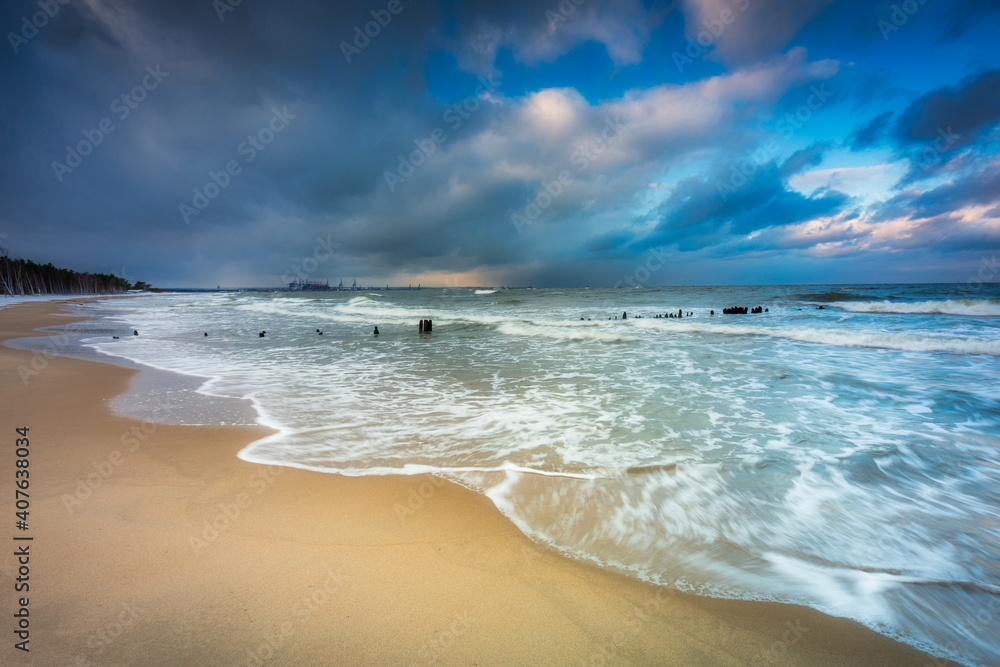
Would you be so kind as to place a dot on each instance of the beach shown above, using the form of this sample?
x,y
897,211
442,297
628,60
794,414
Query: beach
x,y
156,544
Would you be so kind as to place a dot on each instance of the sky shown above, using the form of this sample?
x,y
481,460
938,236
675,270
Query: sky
x,y
196,143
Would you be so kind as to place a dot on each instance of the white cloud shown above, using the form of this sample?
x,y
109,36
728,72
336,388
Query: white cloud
x,y
869,183
543,32
742,31
500,159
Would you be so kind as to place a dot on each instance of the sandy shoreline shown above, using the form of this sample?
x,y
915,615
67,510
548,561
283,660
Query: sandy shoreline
x,y
156,544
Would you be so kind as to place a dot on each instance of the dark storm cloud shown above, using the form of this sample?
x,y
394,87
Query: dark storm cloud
x,y
745,31
78,26
935,130
811,156
939,132
609,241
704,212
871,133
979,187
966,110
962,15
224,80
322,175
374,159
540,32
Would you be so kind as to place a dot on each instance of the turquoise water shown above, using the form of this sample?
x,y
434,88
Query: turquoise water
x,y
846,458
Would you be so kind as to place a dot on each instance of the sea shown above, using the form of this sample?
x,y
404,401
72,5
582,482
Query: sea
x,y
838,450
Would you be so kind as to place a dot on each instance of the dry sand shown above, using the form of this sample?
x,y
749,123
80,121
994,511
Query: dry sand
x,y
155,544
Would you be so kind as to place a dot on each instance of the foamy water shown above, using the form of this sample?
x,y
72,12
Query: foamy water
x,y
845,458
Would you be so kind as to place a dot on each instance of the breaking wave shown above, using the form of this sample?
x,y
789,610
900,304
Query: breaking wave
x,y
832,297
888,341
972,307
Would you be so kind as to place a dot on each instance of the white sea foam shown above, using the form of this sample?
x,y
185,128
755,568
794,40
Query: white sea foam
x,y
563,331
848,338
971,307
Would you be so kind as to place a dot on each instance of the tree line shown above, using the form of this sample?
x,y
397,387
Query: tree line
x,y
22,276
